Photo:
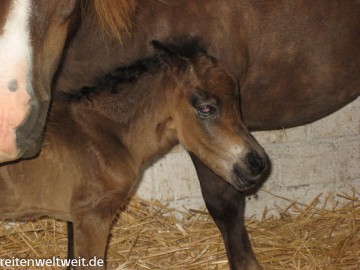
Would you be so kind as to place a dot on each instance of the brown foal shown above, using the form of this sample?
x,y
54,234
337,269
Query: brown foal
x,y
99,140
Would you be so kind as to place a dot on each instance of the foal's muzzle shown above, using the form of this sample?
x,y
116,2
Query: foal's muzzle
x,y
252,173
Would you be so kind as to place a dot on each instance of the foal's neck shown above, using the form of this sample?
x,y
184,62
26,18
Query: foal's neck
x,y
137,116
150,133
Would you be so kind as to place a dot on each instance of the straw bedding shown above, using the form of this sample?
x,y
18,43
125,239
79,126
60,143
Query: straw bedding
x,y
324,234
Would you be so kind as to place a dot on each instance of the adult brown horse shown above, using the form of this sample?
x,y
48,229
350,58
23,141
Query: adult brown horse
x,y
32,38
296,62
98,141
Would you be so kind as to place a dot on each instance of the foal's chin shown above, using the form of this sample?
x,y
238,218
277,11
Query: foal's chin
x,y
236,178
243,180
233,171
244,183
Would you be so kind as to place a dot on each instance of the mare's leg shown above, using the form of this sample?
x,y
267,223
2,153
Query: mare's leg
x,y
226,206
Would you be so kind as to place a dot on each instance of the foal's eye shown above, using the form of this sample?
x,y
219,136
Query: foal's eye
x,y
205,111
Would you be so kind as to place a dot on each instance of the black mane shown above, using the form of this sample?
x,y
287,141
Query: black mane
x,y
184,47
187,47
120,75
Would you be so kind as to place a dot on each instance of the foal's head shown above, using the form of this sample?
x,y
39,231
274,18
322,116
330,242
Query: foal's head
x,y
204,106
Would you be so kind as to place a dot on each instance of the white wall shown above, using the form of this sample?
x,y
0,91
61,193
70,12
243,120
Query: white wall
x,y
316,158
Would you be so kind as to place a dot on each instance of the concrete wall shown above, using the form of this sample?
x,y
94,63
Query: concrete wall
x,y
317,158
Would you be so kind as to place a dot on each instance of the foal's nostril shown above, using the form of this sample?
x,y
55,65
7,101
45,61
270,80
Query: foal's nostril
x,y
256,163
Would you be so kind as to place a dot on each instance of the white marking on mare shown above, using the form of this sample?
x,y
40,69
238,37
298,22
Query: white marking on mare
x,y
15,64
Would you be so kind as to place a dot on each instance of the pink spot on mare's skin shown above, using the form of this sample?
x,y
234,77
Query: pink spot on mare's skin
x,y
14,108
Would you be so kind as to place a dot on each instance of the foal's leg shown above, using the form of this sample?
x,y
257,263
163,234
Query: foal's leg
x,y
226,206
91,232
70,245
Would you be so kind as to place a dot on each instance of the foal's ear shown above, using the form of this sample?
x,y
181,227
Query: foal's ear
x,y
167,55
